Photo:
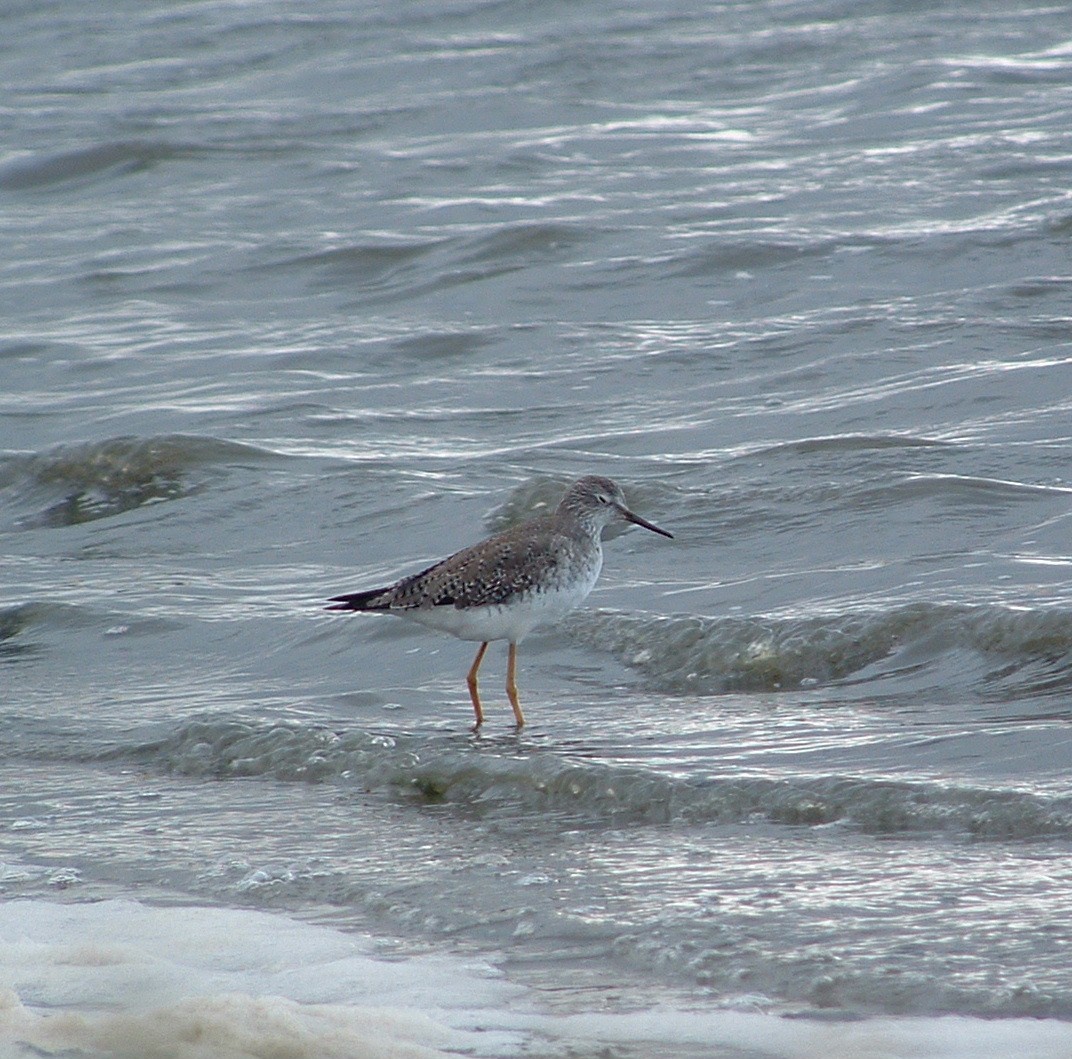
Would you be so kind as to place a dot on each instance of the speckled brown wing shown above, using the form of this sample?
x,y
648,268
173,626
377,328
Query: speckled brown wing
x,y
483,575
499,569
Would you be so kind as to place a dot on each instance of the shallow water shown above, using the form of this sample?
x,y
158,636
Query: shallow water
x,y
297,301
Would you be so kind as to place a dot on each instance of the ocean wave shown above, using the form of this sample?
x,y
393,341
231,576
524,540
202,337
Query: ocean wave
x,y
962,489
846,443
492,781
28,630
1014,647
363,265
391,269
43,169
72,484
523,243
14,619
747,255
198,980
13,622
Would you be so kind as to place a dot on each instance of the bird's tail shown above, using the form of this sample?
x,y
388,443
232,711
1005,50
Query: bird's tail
x,y
357,600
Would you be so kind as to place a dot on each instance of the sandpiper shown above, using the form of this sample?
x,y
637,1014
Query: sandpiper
x,y
500,588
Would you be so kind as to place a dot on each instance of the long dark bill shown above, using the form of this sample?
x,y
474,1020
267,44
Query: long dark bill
x,y
626,513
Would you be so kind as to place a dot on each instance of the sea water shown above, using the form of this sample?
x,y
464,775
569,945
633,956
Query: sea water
x,y
297,299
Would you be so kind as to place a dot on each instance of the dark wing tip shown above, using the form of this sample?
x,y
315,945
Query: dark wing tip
x,y
355,600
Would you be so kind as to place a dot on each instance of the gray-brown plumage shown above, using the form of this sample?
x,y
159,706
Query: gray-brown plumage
x,y
500,588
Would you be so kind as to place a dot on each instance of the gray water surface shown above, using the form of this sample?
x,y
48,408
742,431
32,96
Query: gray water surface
x,y
298,299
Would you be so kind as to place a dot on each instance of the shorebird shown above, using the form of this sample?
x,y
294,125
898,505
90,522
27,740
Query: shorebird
x,y
500,588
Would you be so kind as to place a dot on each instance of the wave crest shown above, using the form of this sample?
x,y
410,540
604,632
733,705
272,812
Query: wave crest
x,y
488,782
1012,649
79,483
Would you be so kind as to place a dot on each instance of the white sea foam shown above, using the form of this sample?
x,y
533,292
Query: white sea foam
x,y
760,1036
119,978
122,979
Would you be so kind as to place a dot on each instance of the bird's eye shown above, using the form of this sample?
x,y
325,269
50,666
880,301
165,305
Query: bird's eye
x,y
602,499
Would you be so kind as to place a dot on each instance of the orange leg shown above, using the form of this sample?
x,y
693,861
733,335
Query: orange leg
x,y
474,692
511,685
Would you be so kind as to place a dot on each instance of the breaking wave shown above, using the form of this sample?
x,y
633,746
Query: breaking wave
x,y
490,781
72,484
1011,651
